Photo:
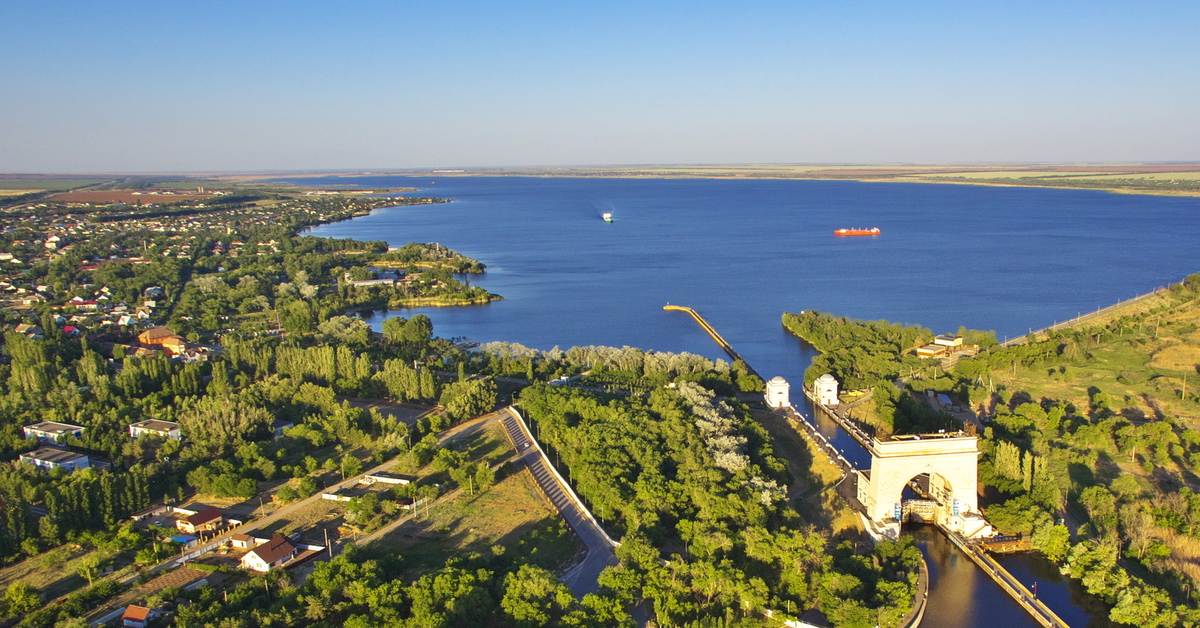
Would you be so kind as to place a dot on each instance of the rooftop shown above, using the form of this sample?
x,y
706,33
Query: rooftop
x,y
50,454
274,549
204,516
155,425
53,427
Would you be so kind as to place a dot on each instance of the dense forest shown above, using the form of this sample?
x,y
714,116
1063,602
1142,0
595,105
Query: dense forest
x,y
873,355
692,486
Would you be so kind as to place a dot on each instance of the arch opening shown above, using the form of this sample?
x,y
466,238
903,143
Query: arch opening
x,y
926,498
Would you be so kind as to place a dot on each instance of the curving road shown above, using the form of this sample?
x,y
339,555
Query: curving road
x,y
582,578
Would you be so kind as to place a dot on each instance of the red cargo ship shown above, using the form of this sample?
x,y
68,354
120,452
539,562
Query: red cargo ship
x,y
857,232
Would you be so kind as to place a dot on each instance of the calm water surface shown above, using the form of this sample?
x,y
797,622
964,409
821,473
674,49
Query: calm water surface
x,y
743,252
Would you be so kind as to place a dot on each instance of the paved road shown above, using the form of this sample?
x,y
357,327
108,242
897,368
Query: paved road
x,y
582,579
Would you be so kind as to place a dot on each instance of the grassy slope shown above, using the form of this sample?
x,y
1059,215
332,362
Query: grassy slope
x,y
1143,368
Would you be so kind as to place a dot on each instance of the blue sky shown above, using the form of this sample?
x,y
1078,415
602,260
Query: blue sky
x,y
227,86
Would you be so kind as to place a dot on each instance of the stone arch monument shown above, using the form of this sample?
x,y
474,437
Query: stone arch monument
x,y
951,463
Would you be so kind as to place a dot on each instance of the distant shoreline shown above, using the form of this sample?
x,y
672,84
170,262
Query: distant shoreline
x,y
1174,179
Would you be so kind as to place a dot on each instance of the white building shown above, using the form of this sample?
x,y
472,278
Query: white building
x,y
50,458
947,340
777,393
165,429
825,389
272,554
52,431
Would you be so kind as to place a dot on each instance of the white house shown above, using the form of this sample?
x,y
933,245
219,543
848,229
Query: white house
x,y
272,554
138,616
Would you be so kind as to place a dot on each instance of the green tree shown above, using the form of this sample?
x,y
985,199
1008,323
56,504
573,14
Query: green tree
x,y
351,466
418,329
534,597
1052,540
393,328
21,598
469,398
89,567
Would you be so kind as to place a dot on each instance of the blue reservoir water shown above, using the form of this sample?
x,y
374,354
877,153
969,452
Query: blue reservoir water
x,y
742,252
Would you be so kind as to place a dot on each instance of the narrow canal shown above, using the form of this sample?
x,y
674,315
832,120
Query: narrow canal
x,y
962,595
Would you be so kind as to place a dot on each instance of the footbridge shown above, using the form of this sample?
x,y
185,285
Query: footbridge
x,y
721,342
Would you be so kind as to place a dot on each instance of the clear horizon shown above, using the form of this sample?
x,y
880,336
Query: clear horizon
x,y
150,87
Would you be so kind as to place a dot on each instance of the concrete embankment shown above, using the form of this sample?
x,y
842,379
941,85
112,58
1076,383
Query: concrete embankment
x,y
1022,595
1079,320
583,578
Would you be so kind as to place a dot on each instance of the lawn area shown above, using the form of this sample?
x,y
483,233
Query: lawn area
x,y
504,515
814,476
52,573
489,445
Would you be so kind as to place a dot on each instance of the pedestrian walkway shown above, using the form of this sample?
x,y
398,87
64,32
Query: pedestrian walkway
x,y
583,578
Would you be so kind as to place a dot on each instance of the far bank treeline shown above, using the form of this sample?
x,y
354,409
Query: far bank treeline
x,y
1094,425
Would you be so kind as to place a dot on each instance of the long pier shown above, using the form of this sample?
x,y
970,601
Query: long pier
x,y
721,342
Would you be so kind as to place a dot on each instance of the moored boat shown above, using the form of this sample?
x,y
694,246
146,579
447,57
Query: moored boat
x,y
857,232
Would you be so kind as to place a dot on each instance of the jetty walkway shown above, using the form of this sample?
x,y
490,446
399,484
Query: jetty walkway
x,y
721,342
1022,595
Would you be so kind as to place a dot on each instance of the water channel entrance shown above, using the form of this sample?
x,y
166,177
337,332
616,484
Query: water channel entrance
x,y
941,469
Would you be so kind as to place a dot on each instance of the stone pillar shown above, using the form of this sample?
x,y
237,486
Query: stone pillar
x,y
777,393
825,389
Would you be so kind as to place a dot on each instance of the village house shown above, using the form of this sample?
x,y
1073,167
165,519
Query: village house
x,y
174,346
27,330
246,541
52,431
139,616
207,519
165,338
270,555
51,458
165,429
